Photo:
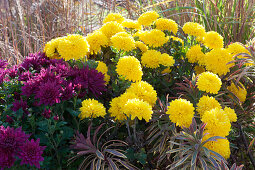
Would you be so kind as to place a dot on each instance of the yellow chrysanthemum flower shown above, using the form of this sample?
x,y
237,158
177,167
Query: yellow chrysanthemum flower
x,y
166,60
91,109
147,18
109,29
217,122
130,68
209,82
167,24
221,146
128,23
217,61
177,39
207,103
123,41
231,114
240,92
181,112
213,40
194,29
143,91
166,70
141,46
96,40
151,58
138,108
51,48
195,54
116,110
114,17
199,69
153,38
117,104
237,48
102,67
74,46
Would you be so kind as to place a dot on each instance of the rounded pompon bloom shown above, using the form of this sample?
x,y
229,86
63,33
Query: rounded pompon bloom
x,y
96,40
91,108
102,67
209,82
167,24
127,23
240,92
49,93
181,112
111,28
116,110
217,61
74,46
51,48
117,104
207,103
138,108
237,48
153,38
31,153
151,58
123,41
195,54
166,60
130,68
114,17
148,18
231,114
221,146
141,46
217,122
213,40
194,29
143,91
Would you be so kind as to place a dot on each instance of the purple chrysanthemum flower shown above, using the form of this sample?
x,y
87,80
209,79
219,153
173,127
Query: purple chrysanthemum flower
x,y
89,79
3,64
31,153
6,159
34,61
11,139
68,92
30,87
20,104
46,113
13,71
25,76
2,75
49,93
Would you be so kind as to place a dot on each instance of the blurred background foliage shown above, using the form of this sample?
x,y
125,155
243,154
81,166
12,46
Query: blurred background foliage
x,y
26,25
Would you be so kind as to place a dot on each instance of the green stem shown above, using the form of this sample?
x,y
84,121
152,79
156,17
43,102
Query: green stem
x,y
134,131
128,128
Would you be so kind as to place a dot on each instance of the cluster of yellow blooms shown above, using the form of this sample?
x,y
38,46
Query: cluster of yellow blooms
x,y
147,34
137,101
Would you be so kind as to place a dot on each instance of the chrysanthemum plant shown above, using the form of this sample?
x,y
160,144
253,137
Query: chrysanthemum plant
x,y
115,75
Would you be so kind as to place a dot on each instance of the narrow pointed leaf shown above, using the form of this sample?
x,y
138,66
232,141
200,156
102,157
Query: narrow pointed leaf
x,y
99,155
116,153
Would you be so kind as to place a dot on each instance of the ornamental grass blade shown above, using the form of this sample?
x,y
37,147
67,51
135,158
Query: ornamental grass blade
x,y
99,155
203,164
214,138
182,160
116,153
194,158
218,155
175,150
98,164
125,164
95,133
112,164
